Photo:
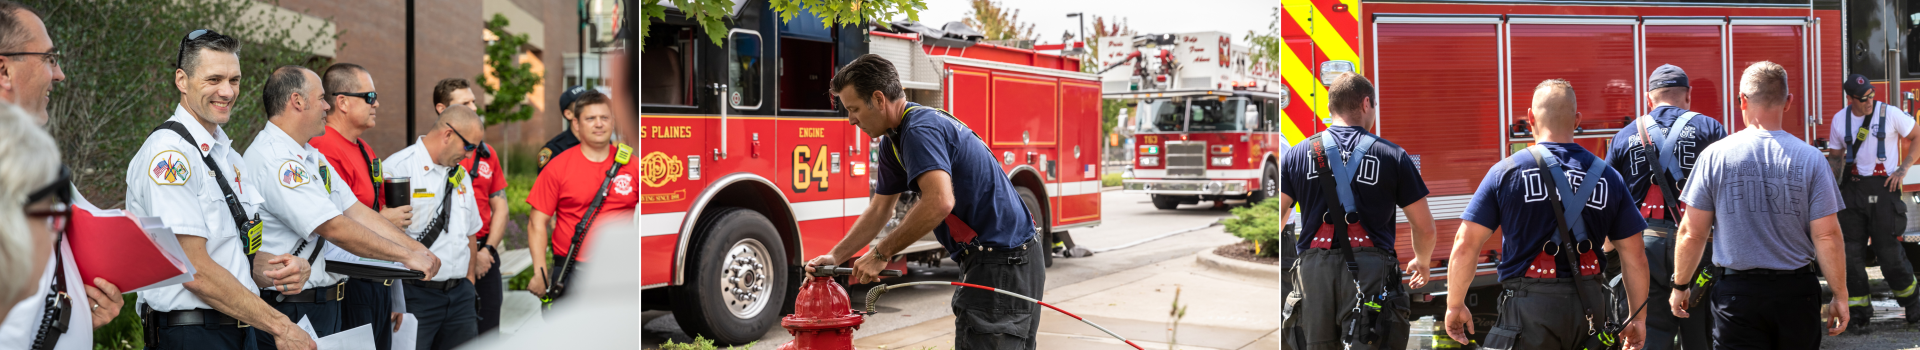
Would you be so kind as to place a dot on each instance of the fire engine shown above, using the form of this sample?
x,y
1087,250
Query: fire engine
x,y
750,169
1206,117
1454,79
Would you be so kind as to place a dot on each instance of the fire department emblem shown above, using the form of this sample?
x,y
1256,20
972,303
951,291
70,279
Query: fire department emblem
x,y
486,170
169,168
660,169
623,184
292,174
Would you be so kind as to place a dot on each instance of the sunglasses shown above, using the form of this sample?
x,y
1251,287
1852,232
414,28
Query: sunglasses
x,y
370,96
463,138
179,60
61,213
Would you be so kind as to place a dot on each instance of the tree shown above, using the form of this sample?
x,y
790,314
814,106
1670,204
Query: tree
x,y
1266,46
515,79
713,14
998,23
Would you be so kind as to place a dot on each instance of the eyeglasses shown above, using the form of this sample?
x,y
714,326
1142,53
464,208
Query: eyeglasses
x,y
463,138
180,58
60,189
52,56
370,96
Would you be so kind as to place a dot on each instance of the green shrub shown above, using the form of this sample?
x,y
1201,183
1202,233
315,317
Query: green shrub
x,y
1259,223
519,281
700,343
1109,180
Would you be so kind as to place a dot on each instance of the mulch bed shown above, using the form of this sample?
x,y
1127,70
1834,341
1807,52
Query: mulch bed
x,y
1243,251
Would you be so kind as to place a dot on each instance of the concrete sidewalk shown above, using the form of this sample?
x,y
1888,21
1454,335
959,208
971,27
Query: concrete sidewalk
x,y
1225,310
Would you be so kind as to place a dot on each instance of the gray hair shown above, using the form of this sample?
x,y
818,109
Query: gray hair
x,y
29,160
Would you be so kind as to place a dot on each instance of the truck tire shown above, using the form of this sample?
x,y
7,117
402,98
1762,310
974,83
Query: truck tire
x,y
1165,202
1269,186
735,277
1040,221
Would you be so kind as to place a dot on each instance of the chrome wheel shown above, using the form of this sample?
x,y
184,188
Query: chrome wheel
x,y
746,278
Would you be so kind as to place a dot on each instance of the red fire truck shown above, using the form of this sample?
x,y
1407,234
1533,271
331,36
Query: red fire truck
x,y
750,170
1454,79
1206,124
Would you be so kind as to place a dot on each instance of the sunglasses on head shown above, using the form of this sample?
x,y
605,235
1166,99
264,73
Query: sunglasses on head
x,y
180,58
370,96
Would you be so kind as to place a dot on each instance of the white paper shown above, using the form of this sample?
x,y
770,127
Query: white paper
x,y
334,254
409,333
306,326
358,338
399,297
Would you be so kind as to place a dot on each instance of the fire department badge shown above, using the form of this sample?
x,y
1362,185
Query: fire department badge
x,y
292,174
545,155
169,168
623,184
485,170
660,169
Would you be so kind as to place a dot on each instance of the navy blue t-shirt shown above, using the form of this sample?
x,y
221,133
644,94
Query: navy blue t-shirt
x,y
1387,180
983,197
1513,196
1627,158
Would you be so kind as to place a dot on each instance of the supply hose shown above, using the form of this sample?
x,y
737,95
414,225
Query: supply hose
x,y
873,295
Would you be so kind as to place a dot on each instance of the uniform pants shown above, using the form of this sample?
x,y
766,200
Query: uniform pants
x,y
1872,223
370,302
447,317
1546,313
1695,333
201,337
1766,312
1323,298
325,316
988,320
490,291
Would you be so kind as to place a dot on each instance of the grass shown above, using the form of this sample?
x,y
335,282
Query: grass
x,y
700,343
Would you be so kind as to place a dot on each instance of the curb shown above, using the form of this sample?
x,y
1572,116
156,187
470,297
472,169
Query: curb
x,y
1214,261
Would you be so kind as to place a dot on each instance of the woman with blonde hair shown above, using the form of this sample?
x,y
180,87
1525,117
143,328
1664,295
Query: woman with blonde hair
x,y
36,196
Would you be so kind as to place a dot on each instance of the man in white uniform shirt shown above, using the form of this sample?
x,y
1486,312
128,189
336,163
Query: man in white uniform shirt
x,y
170,178
446,215
1867,134
304,202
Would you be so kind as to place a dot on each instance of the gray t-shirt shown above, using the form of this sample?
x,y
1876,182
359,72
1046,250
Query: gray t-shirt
x,y
1764,188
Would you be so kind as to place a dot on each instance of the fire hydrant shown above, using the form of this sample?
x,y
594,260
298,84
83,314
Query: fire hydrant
x,y
823,317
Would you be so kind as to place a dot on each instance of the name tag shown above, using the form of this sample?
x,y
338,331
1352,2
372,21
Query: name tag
x,y
422,193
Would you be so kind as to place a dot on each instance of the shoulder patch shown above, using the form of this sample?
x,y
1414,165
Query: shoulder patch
x,y
169,168
292,174
546,154
485,169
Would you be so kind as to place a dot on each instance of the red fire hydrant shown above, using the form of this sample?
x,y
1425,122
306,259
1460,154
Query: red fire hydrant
x,y
823,318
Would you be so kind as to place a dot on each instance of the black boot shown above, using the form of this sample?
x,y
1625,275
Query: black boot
x,y
1860,317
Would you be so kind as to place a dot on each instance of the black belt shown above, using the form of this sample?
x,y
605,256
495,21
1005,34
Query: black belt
x,y
1802,270
334,292
386,282
193,317
439,285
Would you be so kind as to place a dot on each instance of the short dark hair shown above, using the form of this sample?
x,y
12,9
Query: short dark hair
x,y
285,81
443,92
13,34
867,74
190,49
1347,91
589,98
342,78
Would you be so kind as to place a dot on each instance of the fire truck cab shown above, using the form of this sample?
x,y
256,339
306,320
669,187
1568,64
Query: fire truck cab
x,y
750,169
1206,124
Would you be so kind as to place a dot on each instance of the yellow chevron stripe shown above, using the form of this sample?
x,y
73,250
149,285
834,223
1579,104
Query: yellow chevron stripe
x,y
1299,75
1328,39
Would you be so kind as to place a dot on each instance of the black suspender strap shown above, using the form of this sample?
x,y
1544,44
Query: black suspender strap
x,y
620,158
249,227
1330,190
1670,190
439,224
59,306
1566,237
373,173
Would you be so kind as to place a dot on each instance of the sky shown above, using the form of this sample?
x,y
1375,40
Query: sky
x,y
1049,17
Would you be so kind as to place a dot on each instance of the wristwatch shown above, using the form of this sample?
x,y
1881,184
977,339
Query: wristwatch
x,y
1682,287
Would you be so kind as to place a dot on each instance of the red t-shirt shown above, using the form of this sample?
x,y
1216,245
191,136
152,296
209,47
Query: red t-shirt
x,y
488,177
351,164
566,193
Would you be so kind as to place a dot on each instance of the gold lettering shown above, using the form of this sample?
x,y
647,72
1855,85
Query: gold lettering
x,y
813,132
670,132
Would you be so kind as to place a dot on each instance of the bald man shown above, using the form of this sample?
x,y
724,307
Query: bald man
x,y
1551,264
444,219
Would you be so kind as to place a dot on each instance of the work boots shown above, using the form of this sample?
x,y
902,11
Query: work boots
x,y
1860,316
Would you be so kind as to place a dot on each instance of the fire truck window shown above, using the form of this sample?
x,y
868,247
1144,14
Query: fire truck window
x,y
1867,22
1216,115
1908,21
668,76
805,66
743,70
1163,116
1270,116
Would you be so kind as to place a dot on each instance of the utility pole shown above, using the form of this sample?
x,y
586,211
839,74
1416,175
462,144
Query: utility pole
x,y
410,73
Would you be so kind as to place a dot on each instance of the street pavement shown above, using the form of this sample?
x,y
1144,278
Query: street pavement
x,y
1141,273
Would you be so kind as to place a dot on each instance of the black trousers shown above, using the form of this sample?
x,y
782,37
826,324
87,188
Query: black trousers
x,y
1873,213
1694,333
369,302
202,337
447,317
1767,312
1547,313
1321,303
490,291
325,316
988,320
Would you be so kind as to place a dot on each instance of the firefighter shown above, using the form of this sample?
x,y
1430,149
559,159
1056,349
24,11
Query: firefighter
x,y
306,206
447,218
1355,180
1756,190
965,200
350,93
1550,263
176,170
1865,134
597,173
1654,156
490,196
566,139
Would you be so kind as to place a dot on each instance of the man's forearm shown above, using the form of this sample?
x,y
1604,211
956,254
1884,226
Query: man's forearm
x,y
220,290
1421,219
385,229
1633,256
537,226
1695,230
865,228
1466,242
498,227
357,239
1829,251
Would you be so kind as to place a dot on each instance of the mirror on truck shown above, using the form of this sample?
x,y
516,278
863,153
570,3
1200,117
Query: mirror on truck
x,y
1331,69
1253,117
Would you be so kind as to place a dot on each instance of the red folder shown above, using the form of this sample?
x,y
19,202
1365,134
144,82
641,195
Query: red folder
x,y
132,254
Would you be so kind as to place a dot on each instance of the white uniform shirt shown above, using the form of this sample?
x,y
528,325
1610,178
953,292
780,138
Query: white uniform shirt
x,y
23,322
1899,124
428,181
301,191
168,179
